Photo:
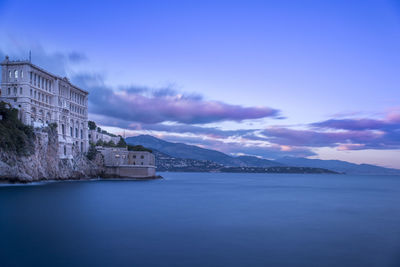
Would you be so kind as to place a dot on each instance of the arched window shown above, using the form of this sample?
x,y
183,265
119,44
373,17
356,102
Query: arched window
x,y
15,90
20,90
16,74
9,74
22,74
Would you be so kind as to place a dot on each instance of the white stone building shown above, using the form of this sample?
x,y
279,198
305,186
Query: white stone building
x,y
43,98
95,136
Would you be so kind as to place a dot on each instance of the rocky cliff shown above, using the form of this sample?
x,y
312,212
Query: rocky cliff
x,y
44,163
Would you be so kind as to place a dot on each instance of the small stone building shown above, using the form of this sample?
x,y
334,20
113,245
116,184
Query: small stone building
x,y
120,162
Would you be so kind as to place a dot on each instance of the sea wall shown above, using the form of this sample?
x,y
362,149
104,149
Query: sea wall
x,y
44,163
131,171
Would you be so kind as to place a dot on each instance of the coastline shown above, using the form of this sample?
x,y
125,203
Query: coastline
x,y
44,181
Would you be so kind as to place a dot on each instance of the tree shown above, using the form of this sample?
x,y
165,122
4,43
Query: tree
x,y
14,135
121,142
100,143
111,143
138,148
91,154
92,125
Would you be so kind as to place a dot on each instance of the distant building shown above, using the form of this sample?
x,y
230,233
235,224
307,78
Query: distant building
x,y
124,163
95,136
43,98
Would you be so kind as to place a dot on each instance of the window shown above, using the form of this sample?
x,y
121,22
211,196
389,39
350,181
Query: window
x,y
9,91
71,131
35,95
22,74
15,90
142,157
34,79
20,90
16,74
63,128
9,74
81,134
31,77
31,92
65,150
76,132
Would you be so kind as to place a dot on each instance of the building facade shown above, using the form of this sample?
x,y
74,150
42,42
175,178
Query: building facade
x,y
120,162
118,156
43,98
95,136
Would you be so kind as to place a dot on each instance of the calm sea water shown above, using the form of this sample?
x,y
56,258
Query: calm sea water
x,y
204,219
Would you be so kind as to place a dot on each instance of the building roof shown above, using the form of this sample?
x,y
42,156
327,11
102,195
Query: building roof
x,y
7,61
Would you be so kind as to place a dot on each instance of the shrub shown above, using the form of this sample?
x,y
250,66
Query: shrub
x,y
91,154
100,143
121,142
92,125
138,148
14,135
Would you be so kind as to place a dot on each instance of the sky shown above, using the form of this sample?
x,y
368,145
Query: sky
x,y
317,79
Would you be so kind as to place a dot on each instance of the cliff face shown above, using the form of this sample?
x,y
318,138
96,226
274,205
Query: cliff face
x,y
44,163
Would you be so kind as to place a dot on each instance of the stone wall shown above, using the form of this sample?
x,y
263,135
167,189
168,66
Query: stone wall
x,y
130,172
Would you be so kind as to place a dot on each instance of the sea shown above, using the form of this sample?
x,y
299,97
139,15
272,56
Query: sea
x,y
204,219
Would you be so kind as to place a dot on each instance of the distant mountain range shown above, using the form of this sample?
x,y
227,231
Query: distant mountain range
x,y
339,166
197,158
168,163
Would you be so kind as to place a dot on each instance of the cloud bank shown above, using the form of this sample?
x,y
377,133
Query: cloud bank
x,y
145,105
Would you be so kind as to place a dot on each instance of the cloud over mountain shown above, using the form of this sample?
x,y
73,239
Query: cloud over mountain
x,y
139,104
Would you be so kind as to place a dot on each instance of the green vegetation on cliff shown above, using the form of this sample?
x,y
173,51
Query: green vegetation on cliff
x,y
14,135
121,143
139,148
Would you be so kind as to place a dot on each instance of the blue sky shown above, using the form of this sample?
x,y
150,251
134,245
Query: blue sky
x,y
215,70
